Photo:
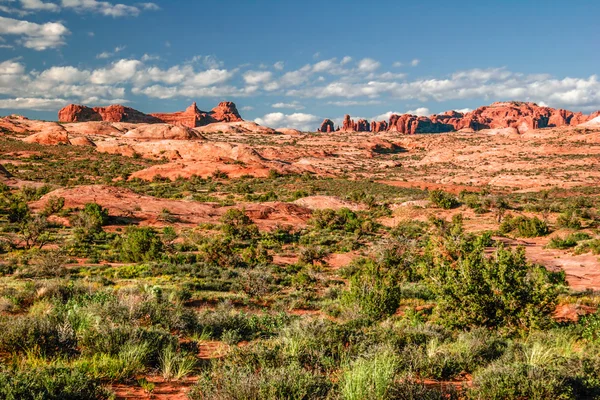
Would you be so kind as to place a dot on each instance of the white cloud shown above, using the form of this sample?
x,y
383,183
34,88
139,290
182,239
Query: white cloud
x,y
106,8
301,121
415,62
38,104
368,65
39,5
293,105
279,65
120,71
397,64
421,112
464,110
149,57
346,60
247,108
257,77
35,36
65,75
107,54
324,65
347,103
209,62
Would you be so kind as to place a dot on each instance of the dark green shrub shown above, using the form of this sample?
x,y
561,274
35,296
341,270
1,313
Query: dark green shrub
x,y
502,291
139,244
443,200
524,227
568,242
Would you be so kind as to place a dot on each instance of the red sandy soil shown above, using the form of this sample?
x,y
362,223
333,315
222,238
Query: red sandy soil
x,y
162,390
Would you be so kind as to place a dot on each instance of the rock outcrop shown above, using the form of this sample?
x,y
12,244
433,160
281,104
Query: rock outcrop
x,y
348,125
191,117
327,126
113,113
521,116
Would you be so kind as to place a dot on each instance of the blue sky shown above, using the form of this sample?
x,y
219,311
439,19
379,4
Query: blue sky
x,y
293,63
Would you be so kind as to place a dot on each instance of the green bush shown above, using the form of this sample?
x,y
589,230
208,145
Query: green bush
x,y
503,291
237,224
524,227
443,200
50,384
373,291
139,244
568,242
568,219
518,381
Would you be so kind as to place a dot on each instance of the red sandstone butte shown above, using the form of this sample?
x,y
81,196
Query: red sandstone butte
x,y
521,116
192,117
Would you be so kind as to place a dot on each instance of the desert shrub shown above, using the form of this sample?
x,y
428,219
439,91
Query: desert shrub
x,y
313,254
17,209
524,227
369,378
230,381
410,389
97,215
237,224
34,231
226,319
445,360
341,220
47,335
589,246
54,205
501,291
443,200
45,264
123,366
139,244
568,219
558,242
374,291
52,383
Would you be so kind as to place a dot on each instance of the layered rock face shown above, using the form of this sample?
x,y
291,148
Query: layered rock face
x,y
114,113
518,115
192,117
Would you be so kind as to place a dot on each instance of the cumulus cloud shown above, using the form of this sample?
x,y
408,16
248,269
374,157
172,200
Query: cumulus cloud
x,y
257,77
415,62
301,121
279,65
35,36
368,65
421,112
120,71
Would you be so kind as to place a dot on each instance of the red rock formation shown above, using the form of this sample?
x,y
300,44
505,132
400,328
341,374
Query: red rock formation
x,y
379,126
192,117
518,115
225,112
348,125
327,126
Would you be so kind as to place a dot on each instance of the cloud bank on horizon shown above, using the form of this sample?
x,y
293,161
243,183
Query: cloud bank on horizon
x,y
278,94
